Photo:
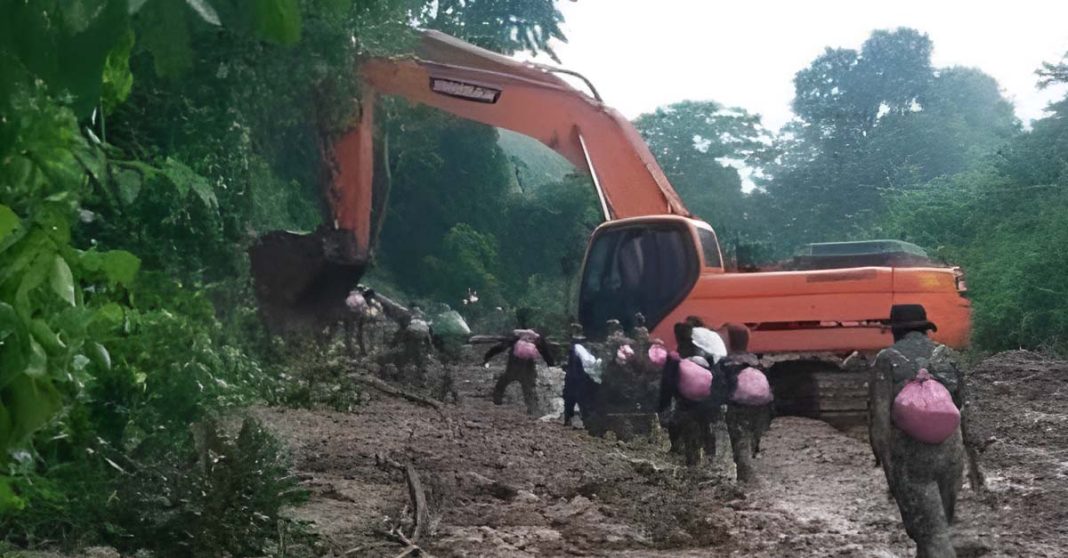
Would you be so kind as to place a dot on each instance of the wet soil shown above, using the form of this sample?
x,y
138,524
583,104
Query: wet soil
x,y
500,483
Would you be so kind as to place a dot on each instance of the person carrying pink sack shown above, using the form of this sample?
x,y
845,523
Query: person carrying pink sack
x,y
524,347
749,400
918,428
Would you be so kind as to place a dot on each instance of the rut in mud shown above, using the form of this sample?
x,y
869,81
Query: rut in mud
x,y
502,484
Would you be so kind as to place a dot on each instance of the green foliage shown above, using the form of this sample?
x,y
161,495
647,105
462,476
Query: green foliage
x,y
230,501
1004,223
872,122
502,25
698,144
144,145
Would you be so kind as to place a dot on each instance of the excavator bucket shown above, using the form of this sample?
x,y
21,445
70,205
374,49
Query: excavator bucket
x,y
301,280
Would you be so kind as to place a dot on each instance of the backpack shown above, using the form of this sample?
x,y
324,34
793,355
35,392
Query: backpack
x,y
752,389
924,409
695,381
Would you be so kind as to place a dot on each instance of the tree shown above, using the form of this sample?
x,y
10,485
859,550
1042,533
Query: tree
x,y
502,25
873,122
699,144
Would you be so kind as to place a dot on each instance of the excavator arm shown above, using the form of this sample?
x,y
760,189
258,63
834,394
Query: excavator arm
x,y
483,86
478,85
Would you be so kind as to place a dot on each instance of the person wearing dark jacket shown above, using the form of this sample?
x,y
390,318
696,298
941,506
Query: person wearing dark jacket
x,y
522,366
579,388
746,424
693,419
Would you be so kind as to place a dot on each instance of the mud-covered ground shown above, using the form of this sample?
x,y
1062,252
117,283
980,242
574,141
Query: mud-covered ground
x,y
502,484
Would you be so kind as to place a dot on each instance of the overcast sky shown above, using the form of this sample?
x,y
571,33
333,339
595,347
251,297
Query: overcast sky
x,y
642,54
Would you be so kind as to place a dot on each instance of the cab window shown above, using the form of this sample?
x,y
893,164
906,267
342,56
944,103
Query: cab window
x,y
709,247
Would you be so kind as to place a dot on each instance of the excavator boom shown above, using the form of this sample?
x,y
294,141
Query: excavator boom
x,y
486,87
475,84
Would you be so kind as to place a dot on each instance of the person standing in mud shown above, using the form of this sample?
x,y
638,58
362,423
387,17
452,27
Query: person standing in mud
x,y
689,346
580,388
523,346
749,405
363,308
697,394
924,477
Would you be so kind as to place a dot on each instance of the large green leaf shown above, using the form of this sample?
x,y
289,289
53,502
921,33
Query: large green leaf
x,y
118,79
48,339
8,223
129,183
278,21
8,500
120,266
62,281
100,355
164,32
92,29
14,344
31,402
186,179
37,366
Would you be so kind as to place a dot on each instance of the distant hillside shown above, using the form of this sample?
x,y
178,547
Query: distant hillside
x,y
535,163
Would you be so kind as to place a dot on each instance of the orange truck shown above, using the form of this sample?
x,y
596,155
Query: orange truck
x,y
651,255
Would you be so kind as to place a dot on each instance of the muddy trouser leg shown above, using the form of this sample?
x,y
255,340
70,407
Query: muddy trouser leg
x,y
761,424
710,420
675,433
918,472
360,323
691,437
740,427
570,401
349,332
507,378
528,380
586,399
948,488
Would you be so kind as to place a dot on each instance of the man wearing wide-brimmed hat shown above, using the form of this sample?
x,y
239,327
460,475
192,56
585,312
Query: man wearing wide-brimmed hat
x,y
924,477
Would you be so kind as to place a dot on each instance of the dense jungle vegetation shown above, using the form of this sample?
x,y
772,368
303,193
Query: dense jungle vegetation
x,y
145,143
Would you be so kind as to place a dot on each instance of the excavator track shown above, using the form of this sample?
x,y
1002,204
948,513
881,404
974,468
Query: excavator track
x,y
821,388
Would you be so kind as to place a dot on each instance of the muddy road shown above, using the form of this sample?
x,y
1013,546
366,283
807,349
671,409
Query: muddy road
x,y
499,483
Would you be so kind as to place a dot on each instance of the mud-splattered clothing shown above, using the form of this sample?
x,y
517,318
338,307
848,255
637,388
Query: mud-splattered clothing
x,y
692,420
519,370
923,478
746,424
579,389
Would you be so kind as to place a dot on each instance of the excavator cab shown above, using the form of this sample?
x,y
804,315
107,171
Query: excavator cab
x,y
644,265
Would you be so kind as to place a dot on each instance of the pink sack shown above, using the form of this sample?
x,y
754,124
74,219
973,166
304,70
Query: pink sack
x,y
924,409
624,354
695,381
525,350
356,302
753,388
658,354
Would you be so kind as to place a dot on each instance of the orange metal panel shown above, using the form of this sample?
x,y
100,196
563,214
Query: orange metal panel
x,y
351,160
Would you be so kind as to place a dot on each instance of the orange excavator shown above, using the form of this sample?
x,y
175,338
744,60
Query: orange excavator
x,y
651,255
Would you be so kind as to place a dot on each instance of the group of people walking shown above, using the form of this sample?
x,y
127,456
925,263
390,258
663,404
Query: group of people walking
x,y
918,416
706,381
918,413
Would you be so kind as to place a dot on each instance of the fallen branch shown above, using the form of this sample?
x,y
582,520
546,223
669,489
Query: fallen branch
x,y
421,512
418,497
397,392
